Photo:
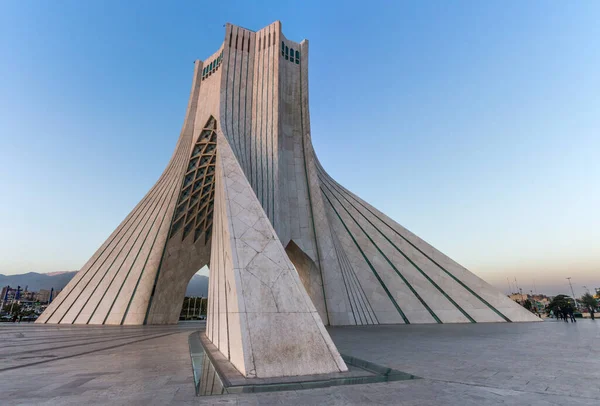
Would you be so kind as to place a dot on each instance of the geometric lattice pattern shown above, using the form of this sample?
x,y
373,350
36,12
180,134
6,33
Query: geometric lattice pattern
x,y
194,210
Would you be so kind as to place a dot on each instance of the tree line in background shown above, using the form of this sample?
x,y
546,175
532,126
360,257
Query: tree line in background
x,y
590,302
537,304
562,303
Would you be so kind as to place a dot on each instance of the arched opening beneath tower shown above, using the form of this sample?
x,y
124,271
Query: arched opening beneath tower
x,y
195,302
310,276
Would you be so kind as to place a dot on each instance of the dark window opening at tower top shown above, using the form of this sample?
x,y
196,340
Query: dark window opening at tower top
x,y
287,51
282,48
259,42
297,56
269,39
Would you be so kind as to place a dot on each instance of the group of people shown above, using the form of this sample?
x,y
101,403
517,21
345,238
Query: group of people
x,y
565,314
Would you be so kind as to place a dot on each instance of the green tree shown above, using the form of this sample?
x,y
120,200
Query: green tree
x,y
528,305
16,309
560,302
590,302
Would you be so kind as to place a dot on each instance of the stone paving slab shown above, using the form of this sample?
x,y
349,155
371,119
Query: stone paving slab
x,y
550,358
534,364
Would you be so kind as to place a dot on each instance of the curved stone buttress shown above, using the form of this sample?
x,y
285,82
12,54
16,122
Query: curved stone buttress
x,y
289,249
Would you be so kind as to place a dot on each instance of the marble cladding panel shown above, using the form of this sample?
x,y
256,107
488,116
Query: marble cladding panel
x,y
360,308
377,299
387,254
464,287
267,287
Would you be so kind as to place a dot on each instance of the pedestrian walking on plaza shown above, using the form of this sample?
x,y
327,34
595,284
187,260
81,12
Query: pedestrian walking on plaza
x,y
572,316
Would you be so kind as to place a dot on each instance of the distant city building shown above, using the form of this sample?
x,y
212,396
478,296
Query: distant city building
x,y
43,296
28,299
3,295
9,293
518,297
27,296
539,302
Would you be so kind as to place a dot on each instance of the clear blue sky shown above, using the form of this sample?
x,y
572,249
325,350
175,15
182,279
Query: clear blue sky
x,y
484,114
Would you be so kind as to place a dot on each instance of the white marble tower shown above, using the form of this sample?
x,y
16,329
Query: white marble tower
x,y
289,249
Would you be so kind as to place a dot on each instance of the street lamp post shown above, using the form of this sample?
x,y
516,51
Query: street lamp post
x,y
16,297
573,292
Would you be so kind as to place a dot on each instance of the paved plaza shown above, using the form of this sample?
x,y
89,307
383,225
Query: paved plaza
x,y
550,363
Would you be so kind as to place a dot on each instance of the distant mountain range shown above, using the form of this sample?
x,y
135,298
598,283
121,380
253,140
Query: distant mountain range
x,y
198,286
34,281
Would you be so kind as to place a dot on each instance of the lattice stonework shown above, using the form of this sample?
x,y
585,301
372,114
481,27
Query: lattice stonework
x,y
195,205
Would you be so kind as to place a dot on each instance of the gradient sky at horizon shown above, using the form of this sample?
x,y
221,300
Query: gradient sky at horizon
x,y
484,115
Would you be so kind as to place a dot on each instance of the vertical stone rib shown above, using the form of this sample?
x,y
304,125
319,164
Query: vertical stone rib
x,y
272,58
248,91
241,101
267,115
263,101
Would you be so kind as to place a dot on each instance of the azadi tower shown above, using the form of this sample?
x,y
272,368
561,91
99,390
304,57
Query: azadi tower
x,y
289,249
